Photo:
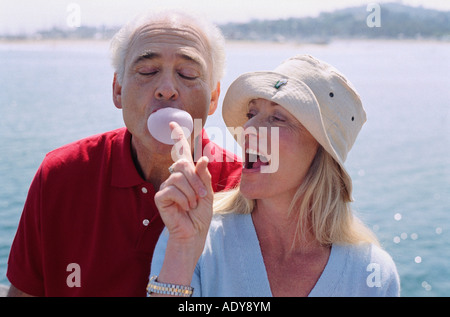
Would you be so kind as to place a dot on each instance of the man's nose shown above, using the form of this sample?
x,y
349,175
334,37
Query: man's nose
x,y
167,89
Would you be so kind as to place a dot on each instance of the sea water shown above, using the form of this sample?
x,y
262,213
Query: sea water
x,y
53,93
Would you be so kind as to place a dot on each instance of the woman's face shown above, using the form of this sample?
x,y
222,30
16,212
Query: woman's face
x,y
295,145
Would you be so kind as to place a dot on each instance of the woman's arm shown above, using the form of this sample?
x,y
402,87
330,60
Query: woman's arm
x,y
185,204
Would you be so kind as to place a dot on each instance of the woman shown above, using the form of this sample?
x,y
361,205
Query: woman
x,y
287,232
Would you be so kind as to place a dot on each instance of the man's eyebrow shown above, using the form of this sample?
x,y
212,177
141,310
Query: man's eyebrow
x,y
191,58
149,55
146,55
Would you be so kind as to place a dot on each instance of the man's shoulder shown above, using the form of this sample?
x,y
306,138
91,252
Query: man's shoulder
x,y
217,153
224,165
83,149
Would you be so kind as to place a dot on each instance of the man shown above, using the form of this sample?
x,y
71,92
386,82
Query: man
x,y
90,224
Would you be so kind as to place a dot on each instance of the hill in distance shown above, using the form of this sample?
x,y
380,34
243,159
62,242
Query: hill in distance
x,y
395,21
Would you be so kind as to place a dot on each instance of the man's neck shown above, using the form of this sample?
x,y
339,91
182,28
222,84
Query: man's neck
x,y
152,165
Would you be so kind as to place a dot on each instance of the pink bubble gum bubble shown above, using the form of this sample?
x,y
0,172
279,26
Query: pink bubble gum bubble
x,y
158,123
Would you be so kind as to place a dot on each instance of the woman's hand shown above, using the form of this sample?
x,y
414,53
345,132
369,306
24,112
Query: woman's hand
x,y
185,198
185,203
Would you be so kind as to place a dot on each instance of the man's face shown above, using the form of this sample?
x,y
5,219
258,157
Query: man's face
x,y
165,67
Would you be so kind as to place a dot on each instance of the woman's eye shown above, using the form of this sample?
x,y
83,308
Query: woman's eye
x,y
275,118
249,115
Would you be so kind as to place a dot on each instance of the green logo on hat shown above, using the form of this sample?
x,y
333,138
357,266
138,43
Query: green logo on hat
x,y
280,83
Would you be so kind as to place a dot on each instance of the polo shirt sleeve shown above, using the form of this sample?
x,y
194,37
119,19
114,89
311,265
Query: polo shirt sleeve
x,y
25,259
231,175
226,174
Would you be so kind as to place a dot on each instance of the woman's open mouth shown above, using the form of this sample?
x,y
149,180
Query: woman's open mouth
x,y
254,160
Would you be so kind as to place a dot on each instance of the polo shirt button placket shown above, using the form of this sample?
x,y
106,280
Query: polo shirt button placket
x,y
145,222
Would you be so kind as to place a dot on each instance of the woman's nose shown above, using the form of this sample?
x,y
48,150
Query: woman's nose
x,y
252,132
256,122
257,128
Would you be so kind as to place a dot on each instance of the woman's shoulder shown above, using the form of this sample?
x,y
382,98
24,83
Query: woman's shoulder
x,y
367,253
370,264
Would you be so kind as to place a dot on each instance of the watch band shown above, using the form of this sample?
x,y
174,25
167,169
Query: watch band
x,y
168,289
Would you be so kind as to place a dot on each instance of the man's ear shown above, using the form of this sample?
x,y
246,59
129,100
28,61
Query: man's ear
x,y
117,92
214,99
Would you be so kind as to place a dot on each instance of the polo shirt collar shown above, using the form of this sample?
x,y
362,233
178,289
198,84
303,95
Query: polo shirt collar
x,y
124,172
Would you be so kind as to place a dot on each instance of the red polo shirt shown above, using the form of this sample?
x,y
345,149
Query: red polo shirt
x,y
90,224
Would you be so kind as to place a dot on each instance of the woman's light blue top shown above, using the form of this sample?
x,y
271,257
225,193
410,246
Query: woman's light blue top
x,y
232,265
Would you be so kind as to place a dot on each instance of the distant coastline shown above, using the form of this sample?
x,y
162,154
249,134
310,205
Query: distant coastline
x,y
104,43
397,22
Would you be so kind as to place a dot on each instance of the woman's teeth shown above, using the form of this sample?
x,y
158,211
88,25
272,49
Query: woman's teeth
x,y
254,159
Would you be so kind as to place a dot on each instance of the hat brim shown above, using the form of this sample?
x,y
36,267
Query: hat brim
x,y
295,96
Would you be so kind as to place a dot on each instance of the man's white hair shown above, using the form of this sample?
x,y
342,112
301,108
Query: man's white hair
x,y
214,39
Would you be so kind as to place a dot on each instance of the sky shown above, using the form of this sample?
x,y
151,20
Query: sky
x,y
28,16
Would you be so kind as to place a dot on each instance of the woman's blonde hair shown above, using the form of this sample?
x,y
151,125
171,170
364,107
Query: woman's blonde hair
x,y
321,205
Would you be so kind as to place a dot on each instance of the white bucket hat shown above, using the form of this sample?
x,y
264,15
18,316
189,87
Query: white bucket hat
x,y
314,92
